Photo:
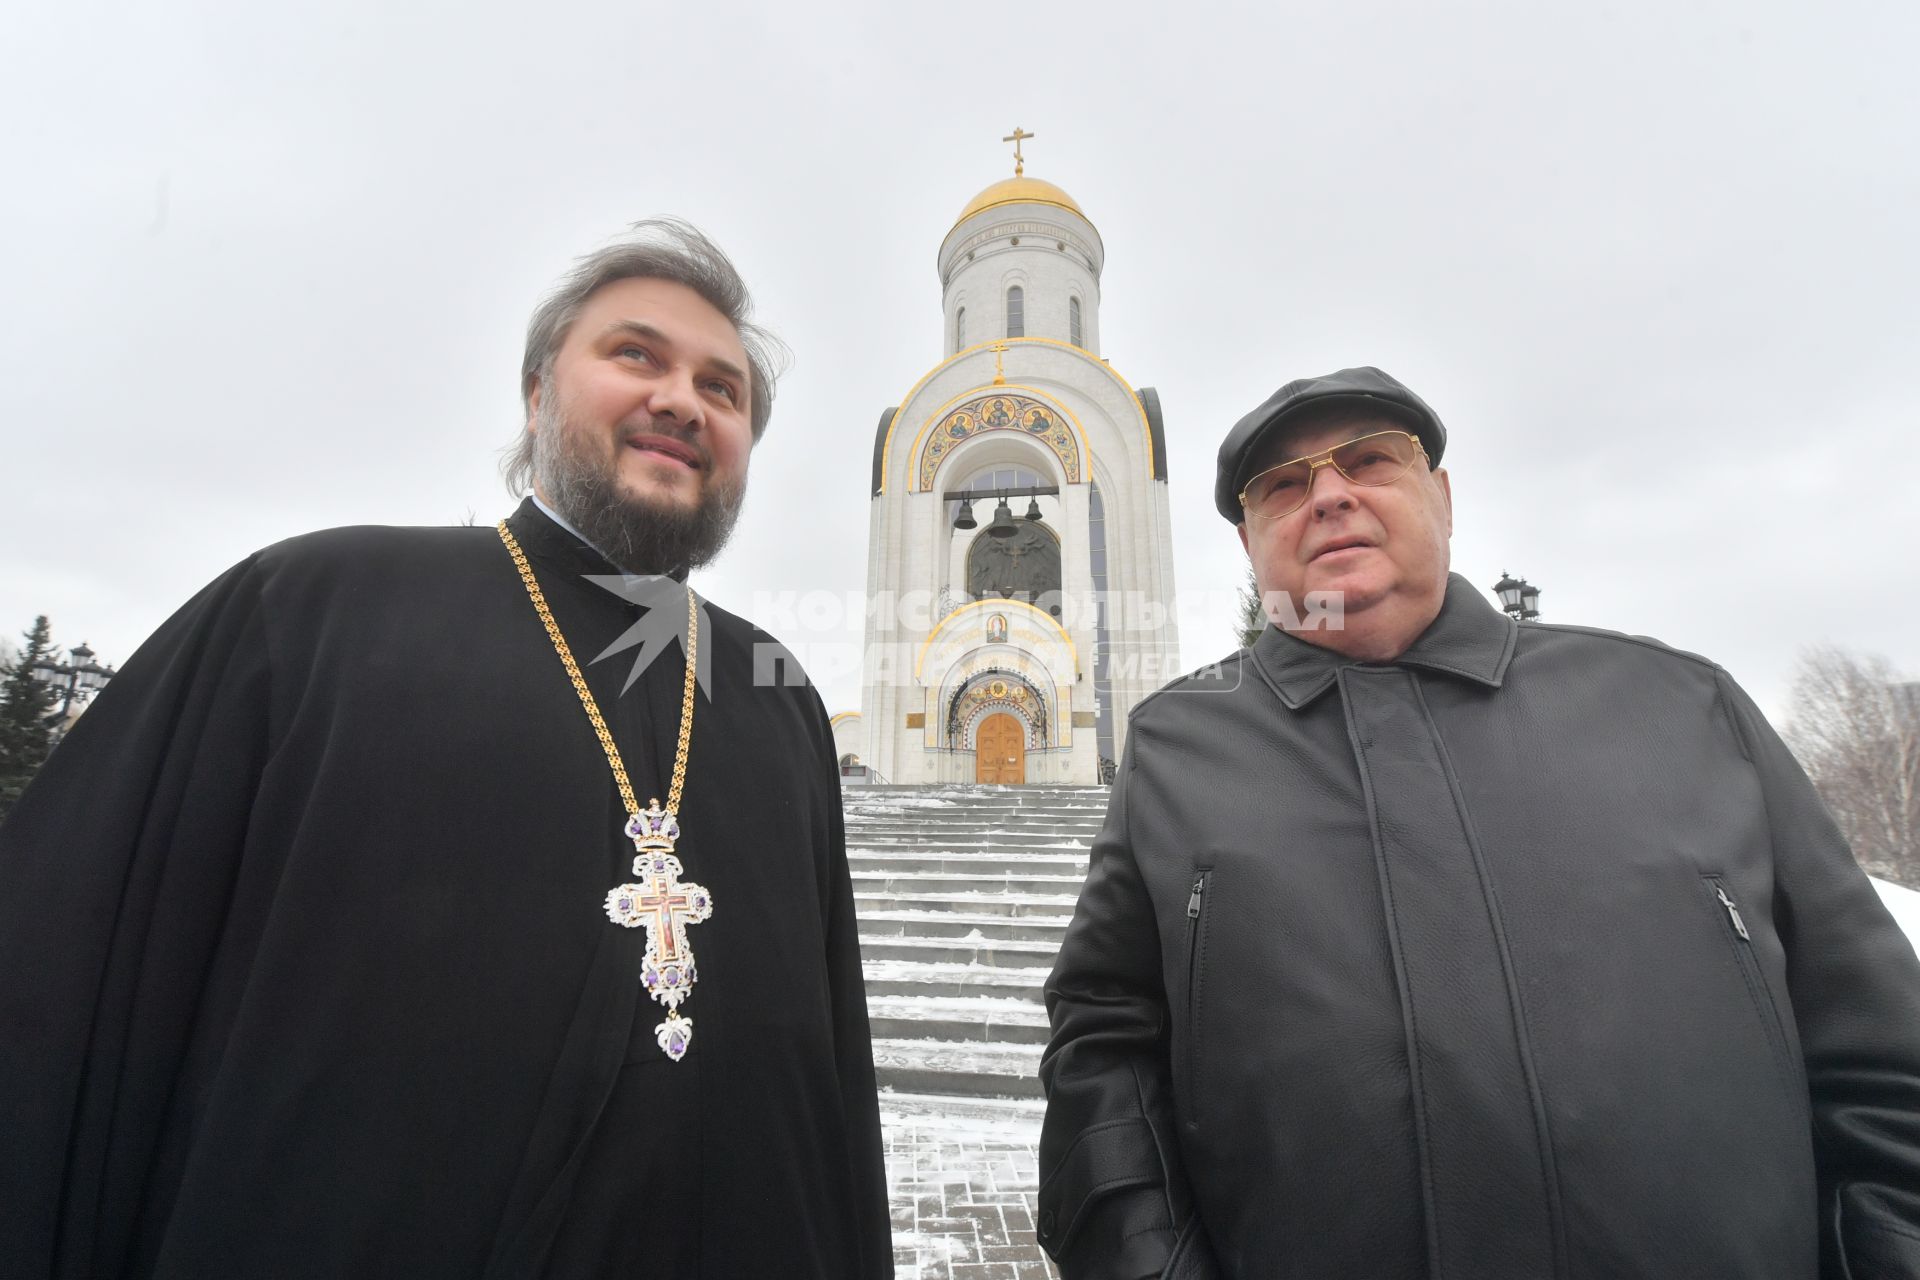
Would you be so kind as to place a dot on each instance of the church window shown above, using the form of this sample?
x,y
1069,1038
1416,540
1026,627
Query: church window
x,y
1073,322
1016,312
959,328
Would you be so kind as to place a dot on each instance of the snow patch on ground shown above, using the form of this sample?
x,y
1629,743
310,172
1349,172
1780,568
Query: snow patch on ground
x,y
959,1055
1013,946
987,1119
1019,977
1065,901
940,1251
985,857
898,804
1007,1010
896,915
965,877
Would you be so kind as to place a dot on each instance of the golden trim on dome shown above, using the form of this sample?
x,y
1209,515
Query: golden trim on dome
x,y
1020,190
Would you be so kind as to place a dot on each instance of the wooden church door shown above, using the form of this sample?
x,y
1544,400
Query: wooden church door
x,y
1000,750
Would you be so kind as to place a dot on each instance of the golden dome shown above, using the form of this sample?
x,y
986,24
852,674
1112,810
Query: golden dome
x,y
1020,190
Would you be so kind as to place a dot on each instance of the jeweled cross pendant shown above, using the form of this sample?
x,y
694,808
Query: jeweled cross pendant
x,y
664,905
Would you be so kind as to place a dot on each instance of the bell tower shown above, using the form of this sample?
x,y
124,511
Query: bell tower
x,y
1020,567
1022,261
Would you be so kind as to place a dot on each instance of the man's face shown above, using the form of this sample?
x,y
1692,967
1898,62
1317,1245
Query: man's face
x,y
1383,547
643,427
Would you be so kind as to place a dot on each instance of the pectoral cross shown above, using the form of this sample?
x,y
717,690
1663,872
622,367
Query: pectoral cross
x,y
664,906
1018,136
671,905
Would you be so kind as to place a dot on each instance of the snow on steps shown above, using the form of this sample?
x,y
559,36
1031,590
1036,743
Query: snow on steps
x,y
966,1068
963,895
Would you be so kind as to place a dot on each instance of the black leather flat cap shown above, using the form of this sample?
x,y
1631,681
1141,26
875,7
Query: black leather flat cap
x,y
1365,387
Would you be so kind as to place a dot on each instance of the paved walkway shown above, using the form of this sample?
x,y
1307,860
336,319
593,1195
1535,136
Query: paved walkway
x,y
962,1176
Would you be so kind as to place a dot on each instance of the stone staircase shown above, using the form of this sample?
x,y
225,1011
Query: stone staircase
x,y
963,895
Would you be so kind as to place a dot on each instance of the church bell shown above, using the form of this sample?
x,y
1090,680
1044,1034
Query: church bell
x,y
1002,526
965,519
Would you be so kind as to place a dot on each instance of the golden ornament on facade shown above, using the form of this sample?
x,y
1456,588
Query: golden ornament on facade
x,y
1002,411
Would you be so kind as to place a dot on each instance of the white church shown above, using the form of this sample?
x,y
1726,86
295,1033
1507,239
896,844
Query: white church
x,y
1020,560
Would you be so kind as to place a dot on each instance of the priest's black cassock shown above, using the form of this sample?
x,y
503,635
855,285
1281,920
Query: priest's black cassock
x,y
306,969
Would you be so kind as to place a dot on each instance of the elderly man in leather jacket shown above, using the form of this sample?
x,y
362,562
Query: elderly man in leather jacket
x,y
1432,945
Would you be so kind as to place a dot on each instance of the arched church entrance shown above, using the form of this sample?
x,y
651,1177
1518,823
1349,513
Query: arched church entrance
x,y
1000,750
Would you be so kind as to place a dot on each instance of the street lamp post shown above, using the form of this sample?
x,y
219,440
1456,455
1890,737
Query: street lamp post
x,y
1518,597
76,680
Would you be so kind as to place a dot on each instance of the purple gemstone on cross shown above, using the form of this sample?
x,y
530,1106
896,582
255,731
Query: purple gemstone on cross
x,y
673,978
678,1041
648,978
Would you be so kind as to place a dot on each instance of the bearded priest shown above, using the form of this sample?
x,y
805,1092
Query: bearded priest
x,y
364,925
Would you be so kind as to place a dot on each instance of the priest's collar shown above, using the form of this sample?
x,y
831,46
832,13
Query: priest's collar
x,y
1469,638
543,532
562,521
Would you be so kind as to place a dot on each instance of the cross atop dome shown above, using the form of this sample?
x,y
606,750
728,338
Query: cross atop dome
x,y
1018,136
1020,189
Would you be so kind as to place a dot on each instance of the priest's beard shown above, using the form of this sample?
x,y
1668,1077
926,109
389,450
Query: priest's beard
x,y
638,534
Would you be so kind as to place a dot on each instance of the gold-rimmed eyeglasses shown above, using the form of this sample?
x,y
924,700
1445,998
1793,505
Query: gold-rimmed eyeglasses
x,y
1375,459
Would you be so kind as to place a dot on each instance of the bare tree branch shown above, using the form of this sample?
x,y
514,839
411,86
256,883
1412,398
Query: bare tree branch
x,y
1856,730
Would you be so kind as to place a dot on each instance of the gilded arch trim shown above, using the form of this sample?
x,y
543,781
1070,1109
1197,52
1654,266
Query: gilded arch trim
x,y
1025,410
1004,606
997,690
890,421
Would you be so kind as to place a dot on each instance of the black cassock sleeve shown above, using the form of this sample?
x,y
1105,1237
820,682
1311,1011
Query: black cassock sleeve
x,y
853,1039
117,867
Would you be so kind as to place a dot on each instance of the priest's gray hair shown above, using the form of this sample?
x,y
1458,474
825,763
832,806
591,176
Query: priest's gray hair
x,y
652,249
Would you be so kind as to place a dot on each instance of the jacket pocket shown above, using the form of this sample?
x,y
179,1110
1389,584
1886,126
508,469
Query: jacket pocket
x,y
1198,917
1733,926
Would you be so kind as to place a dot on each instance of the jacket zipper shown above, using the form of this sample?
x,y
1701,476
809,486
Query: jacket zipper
x,y
1194,926
1733,913
1755,979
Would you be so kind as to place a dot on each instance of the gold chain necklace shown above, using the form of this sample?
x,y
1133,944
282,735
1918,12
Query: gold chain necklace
x,y
661,903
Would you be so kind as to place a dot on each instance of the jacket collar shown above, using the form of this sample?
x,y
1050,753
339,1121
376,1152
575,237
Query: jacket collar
x,y
1469,639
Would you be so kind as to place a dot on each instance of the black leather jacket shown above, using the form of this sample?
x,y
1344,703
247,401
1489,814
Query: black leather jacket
x,y
1530,954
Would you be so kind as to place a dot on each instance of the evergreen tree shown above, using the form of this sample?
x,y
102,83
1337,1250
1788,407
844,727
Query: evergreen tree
x,y
26,706
1253,619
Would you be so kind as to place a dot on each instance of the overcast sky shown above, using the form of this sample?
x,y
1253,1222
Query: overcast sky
x,y
1656,266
